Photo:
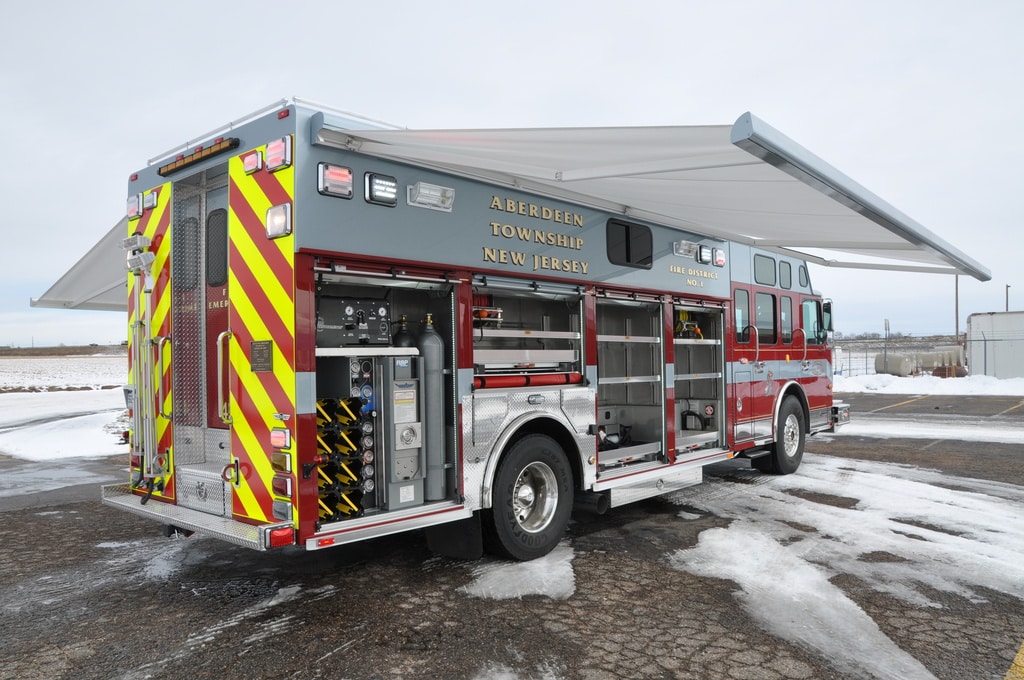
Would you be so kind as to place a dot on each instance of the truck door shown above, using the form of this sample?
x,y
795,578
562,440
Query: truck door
x,y
199,321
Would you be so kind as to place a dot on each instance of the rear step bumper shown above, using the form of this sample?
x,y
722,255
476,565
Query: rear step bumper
x,y
246,535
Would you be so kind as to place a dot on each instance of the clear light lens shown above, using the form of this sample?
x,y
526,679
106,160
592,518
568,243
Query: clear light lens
x,y
334,180
431,196
149,200
381,189
704,254
279,220
719,257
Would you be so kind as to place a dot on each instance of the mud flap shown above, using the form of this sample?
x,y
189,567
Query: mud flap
x,y
461,540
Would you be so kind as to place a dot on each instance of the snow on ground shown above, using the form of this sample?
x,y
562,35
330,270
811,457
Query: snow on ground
x,y
907,530
929,384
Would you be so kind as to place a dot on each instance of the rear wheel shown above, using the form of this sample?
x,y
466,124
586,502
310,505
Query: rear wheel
x,y
532,500
790,435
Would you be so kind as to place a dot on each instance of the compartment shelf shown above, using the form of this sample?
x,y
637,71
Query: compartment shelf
x,y
698,376
645,339
629,379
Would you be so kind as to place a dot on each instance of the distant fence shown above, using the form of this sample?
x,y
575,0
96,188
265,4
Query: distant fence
x,y
899,356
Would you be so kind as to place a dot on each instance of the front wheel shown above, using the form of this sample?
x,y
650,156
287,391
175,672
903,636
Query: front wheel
x,y
532,500
790,435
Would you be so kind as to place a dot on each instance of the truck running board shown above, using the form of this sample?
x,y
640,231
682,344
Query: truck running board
x,y
224,528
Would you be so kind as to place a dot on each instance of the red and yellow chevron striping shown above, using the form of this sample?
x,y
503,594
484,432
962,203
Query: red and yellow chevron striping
x,y
262,320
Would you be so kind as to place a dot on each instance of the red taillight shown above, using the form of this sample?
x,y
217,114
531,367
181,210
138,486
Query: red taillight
x,y
282,486
282,537
136,461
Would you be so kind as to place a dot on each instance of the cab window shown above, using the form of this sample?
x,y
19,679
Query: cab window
x,y
766,332
812,324
741,305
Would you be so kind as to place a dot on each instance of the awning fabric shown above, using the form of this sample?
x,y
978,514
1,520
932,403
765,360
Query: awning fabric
x,y
97,281
745,182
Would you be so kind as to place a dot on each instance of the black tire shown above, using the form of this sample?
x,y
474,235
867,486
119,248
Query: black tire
x,y
790,435
532,500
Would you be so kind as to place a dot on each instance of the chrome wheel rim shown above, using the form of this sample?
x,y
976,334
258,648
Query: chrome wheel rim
x,y
790,436
535,497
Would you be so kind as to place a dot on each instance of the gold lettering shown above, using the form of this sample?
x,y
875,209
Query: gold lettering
x,y
534,211
495,203
545,213
577,220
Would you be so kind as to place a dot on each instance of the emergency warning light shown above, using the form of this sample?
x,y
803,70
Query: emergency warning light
x,y
431,196
334,180
134,207
279,154
719,257
704,254
381,189
252,162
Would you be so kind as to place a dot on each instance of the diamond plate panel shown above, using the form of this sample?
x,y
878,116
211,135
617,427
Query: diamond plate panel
x,y
203,491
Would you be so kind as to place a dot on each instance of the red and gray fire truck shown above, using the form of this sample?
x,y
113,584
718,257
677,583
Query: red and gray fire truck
x,y
332,341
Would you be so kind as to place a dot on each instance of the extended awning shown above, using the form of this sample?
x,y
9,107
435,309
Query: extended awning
x,y
97,281
746,182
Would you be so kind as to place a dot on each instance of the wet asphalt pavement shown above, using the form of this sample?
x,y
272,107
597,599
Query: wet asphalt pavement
x,y
91,592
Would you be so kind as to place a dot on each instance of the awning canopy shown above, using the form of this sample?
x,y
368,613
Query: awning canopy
x,y
98,281
746,182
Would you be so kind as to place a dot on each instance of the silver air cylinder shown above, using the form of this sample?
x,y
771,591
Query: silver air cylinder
x,y
431,348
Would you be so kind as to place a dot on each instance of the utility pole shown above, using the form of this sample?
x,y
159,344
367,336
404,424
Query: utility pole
x,y
1007,297
956,308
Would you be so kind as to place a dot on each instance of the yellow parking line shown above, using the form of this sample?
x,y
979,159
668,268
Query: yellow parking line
x,y
908,401
1012,408
1016,671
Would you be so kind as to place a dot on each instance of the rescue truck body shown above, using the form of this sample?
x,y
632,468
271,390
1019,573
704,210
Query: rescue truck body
x,y
328,345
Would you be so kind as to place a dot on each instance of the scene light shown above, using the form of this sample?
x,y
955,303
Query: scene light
x,y
381,189
431,196
279,220
704,254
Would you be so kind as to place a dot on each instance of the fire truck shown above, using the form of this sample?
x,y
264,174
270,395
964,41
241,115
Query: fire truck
x,y
329,343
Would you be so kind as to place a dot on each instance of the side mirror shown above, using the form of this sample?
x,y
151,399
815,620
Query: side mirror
x,y
826,307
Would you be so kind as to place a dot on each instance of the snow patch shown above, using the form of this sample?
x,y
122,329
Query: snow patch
x,y
550,576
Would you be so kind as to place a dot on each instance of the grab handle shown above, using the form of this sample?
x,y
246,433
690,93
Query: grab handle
x,y
161,395
223,406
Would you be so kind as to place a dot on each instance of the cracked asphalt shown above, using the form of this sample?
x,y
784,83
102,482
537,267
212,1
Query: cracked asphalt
x,y
90,592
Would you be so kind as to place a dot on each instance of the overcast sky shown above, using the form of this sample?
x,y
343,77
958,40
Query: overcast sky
x,y
920,102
